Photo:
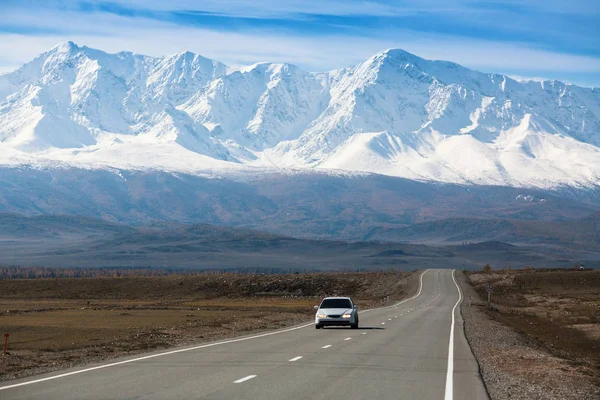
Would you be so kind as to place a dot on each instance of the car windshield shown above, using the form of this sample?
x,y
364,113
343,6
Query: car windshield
x,y
336,303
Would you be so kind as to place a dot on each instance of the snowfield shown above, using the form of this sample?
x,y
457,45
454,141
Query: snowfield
x,y
395,114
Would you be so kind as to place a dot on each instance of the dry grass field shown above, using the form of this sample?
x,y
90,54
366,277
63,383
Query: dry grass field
x,y
558,310
57,323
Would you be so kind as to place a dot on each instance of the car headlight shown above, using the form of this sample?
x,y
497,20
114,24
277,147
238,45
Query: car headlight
x,y
321,315
347,316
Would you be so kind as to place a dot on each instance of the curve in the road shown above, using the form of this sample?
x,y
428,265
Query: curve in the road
x,y
81,371
407,354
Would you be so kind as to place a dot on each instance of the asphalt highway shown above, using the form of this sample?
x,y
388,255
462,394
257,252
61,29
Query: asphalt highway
x,y
415,349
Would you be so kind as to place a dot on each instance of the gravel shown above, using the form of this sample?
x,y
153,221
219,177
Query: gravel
x,y
514,366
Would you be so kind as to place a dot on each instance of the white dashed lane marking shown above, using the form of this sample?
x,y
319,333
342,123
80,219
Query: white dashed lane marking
x,y
245,379
133,360
348,338
326,346
295,358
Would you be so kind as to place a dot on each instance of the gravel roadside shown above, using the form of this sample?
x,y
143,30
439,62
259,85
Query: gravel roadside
x,y
514,366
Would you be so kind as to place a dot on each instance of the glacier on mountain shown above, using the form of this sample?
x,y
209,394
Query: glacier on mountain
x,y
394,114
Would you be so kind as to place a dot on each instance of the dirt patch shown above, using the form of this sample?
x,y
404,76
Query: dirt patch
x,y
592,331
539,338
59,323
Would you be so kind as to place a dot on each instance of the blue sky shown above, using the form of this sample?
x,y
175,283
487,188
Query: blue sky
x,y
524,38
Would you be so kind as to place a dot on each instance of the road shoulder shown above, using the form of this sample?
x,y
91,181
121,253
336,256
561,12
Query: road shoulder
x,y
512,365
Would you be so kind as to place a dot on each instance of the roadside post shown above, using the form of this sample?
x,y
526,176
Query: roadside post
x,y
5,342
489,292
469,301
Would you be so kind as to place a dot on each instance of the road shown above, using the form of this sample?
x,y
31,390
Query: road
x,y
405,351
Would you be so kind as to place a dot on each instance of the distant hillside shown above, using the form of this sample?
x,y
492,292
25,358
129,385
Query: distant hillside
x,y
52,225
55,241
338,207
581,234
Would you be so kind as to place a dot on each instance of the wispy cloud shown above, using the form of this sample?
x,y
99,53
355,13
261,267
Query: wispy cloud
x,y
329,34
268,8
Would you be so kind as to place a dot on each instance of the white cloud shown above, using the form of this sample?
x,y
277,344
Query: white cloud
x,y
318,53
269,8
114,33
278,8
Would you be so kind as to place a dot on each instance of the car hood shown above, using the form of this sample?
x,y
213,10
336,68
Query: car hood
x,y
334,311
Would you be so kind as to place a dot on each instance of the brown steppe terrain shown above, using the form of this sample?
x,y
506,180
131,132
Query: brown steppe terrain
x,y
60,323
553,346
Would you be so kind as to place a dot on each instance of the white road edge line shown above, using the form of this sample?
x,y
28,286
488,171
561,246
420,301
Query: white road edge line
x,y
245,379
326,346
450,371
81,371
403,301
295,358
153,356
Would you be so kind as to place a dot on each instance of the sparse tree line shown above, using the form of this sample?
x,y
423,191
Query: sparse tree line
x,y
487,268
24,272
21,272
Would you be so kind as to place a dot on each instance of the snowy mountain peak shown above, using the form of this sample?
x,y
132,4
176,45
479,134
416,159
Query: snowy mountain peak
x,y
65,48
187,58
178,77
398,55
271,68
395,114
402,58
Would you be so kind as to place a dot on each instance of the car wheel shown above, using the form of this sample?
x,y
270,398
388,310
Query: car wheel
x,y
318,326
354,326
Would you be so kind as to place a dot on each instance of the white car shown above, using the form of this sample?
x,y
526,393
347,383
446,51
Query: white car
x,y
336,311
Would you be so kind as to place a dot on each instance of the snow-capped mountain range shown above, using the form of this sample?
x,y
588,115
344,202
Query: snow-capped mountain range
x,y
394,114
